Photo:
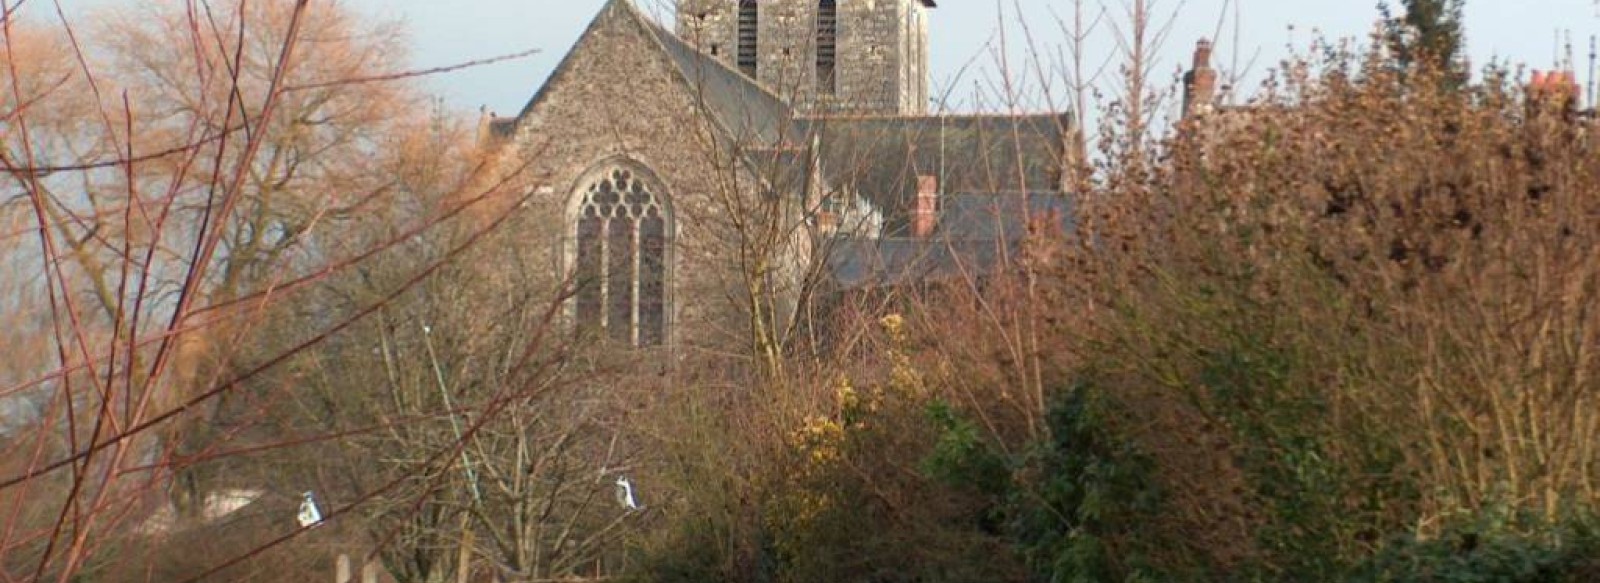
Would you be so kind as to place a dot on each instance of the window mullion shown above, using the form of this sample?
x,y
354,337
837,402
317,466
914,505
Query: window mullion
x,y
638,277
627,307
605,271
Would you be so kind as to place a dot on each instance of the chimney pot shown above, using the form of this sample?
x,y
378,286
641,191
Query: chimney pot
x,y
1202,54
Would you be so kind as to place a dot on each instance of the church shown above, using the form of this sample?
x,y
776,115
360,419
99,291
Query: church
x,y
761,154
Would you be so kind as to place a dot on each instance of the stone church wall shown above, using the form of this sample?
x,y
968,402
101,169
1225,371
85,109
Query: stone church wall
x,y
881,57
618,98
712,25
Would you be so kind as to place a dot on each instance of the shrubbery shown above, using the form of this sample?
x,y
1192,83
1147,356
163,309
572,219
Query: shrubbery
x,y
1344,335
1492,548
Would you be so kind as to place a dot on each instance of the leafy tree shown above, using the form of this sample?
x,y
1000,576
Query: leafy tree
x,y
1429,34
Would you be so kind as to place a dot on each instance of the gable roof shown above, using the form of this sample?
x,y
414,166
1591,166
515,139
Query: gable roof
x,y
976,233
885,263
1000,216
1000,170
880,158
564,68
741,106
745,108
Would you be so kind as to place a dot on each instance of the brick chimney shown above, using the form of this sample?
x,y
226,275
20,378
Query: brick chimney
x,y
925,215
1200,83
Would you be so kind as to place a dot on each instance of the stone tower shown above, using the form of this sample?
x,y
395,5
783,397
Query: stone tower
x,y
823,56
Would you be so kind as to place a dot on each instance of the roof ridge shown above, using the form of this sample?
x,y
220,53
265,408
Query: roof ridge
x,y
566,59
937,116
659,38
663,35
708,70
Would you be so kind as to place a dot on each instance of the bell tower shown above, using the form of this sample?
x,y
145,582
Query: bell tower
x,y
822,56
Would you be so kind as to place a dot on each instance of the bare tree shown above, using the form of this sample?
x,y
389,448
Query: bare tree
x,y
166,185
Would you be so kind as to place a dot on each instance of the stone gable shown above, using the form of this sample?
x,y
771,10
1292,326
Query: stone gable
x,y
756,181
619,98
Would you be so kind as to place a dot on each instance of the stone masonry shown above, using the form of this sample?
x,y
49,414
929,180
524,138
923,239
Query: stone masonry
x,y
710,142
881,61
616,101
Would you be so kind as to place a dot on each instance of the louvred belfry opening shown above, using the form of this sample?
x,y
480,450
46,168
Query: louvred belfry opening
x,y
622,246
827,46
749,36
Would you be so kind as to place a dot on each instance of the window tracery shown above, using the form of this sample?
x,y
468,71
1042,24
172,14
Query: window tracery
x,y
623,243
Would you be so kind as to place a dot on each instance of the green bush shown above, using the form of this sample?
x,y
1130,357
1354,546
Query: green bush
x,y
962,458
1078,512
1492,551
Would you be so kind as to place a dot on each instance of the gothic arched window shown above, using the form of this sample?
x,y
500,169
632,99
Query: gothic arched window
x,y
827,46
623,241
749,35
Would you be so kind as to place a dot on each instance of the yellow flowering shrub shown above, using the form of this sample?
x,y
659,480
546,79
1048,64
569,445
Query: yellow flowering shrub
x,y
828,448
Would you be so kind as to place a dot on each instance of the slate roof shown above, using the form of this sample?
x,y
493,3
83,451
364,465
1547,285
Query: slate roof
x,y
980,157
1000,216
881,157
748,111
878,157
977,232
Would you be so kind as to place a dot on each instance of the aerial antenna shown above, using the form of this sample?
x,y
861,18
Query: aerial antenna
x,y
1555,50
1234,74
1594,55
1568,64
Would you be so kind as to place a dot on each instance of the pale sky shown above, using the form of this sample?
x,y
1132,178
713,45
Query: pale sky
x,y
446,31
963,32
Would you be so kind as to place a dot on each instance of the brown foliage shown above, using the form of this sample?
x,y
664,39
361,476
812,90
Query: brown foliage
x,y
174,171
1402,274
